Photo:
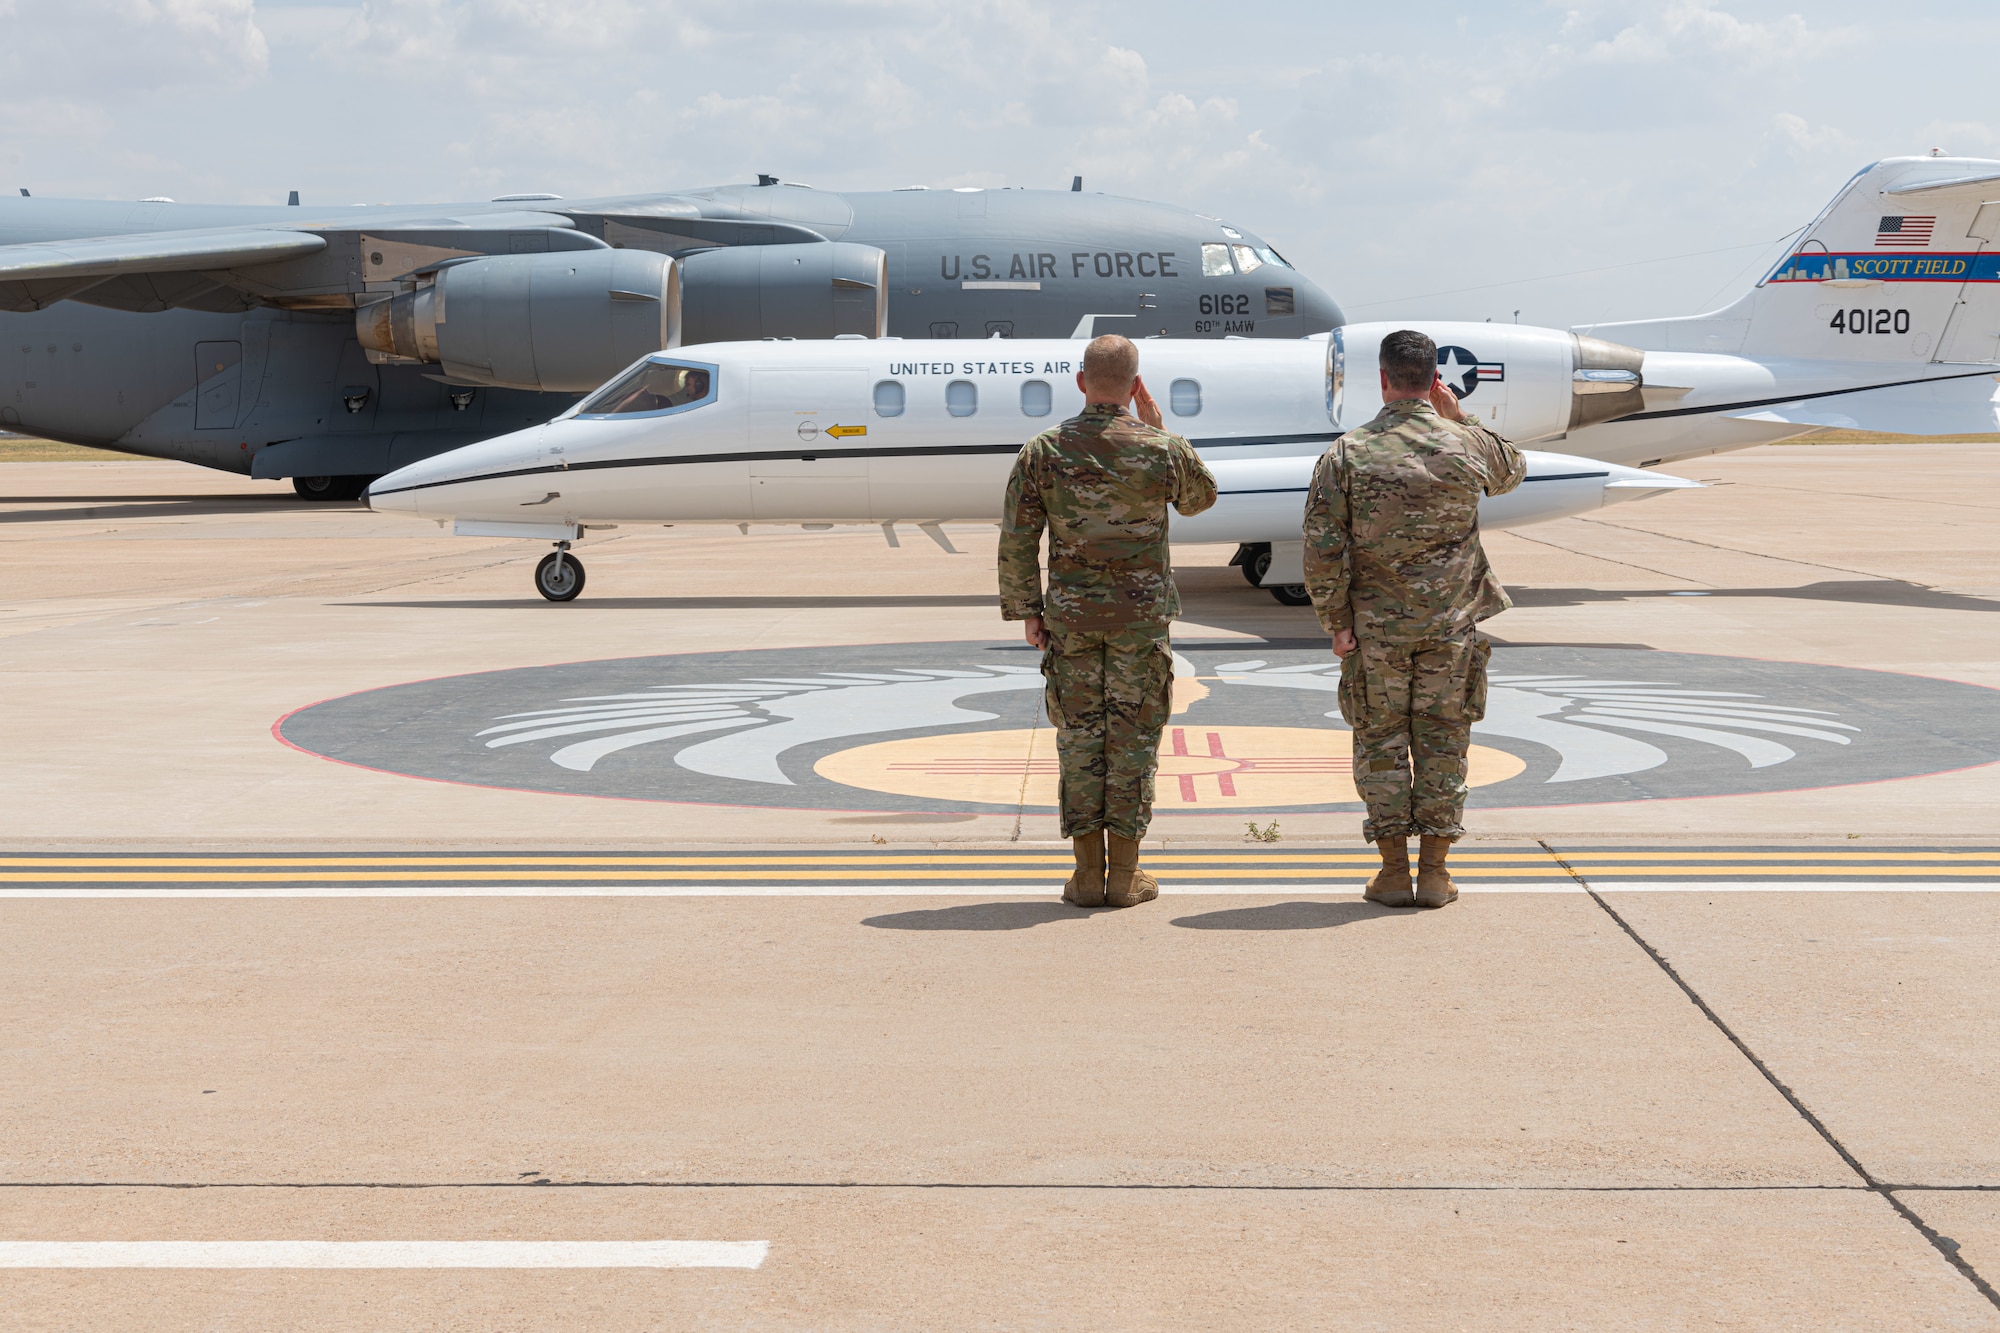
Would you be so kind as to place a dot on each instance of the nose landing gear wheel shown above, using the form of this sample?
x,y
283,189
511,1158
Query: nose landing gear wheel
x,y
559,577
1291,594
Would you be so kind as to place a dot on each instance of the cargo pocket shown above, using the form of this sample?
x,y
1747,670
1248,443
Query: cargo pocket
x,y
1350,689
1050,702
1475,680
1159,705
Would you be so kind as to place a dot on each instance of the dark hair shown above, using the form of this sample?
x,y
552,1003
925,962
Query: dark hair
x,y
1410,360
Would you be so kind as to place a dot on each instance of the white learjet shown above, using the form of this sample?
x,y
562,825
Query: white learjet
x,y
1884,317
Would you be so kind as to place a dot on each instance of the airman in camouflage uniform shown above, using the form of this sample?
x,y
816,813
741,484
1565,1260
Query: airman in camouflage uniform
x,y
1399,579
1100,484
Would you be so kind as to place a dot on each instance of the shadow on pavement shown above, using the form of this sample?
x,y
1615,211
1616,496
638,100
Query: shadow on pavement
x,y
981,916
1877,592
779,603
162,506
1288,916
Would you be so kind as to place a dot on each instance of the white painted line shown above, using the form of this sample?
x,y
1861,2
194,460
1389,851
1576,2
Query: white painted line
x,y
383,1253
1789,886
1333,888
1051,890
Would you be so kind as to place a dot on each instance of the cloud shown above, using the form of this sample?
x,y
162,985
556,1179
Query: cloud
x,y
1389,152
128,46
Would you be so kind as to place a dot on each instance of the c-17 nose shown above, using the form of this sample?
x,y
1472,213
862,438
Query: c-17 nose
x,y
1316,310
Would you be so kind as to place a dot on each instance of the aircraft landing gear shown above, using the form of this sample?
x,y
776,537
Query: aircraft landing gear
x,y
1254,559
560,575
330,488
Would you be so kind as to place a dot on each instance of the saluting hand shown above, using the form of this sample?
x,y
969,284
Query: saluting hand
x,y
1144,407
1445,401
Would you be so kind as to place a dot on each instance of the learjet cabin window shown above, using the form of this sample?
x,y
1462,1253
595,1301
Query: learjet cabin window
x,y
1215,261
1036,398
655,386
889,399
1184,397
961,398
1246,258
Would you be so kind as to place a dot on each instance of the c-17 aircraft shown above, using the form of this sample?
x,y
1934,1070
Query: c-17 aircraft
x,y
1885,316
331,346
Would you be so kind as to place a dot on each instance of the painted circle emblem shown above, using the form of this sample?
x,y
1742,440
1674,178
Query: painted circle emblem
x,y
961,727
1202,768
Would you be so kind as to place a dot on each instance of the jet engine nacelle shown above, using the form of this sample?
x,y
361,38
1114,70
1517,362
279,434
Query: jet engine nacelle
x,y
1527,383
559,323
813,290
565,323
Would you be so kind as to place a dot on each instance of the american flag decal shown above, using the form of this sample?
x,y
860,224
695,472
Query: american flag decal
x,y
1904,233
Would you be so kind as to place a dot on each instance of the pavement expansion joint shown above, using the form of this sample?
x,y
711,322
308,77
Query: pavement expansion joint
x,y
1948,1249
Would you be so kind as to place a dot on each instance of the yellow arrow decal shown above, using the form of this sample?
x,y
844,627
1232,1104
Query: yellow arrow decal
x,y
842,432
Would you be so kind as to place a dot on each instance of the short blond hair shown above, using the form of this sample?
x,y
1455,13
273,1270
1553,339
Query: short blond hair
x,y
1110,362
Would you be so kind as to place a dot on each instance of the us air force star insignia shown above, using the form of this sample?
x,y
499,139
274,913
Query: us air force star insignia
x,y
1465,372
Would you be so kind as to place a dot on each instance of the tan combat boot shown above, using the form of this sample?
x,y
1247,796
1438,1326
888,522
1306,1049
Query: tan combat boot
x,y
1434,886
1390,885
1127,885
1085,888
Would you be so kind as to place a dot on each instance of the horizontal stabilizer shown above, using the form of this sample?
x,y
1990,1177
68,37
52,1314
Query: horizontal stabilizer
x,y
1959,405
154,252
1653,482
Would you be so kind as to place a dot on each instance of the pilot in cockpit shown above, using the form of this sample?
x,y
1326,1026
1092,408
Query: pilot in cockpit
x,y
653,387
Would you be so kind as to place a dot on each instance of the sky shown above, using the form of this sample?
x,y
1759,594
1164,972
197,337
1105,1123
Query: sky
x,y
1567,162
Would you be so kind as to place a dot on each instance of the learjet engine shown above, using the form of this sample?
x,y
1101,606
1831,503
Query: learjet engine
x,y
1527,383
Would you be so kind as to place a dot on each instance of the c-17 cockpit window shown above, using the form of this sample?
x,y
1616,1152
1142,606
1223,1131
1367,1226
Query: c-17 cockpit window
x,y
1215,260
1037,399
1270,256
656,386
1246,258
889,398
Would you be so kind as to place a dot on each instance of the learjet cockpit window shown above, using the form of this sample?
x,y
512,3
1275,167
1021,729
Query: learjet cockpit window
x,y
656,386
1215,260
1246,258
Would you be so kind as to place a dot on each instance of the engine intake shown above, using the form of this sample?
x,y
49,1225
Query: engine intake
x,y
558,323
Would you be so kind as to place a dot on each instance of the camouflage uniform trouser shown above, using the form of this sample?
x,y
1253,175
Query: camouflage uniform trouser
x,y
1412,706
1109,694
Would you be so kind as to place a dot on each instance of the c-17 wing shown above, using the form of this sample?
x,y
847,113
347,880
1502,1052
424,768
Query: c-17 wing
x,y
40,274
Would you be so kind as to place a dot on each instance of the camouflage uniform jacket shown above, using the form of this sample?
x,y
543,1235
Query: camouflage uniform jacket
x,y
1392,526
1100,483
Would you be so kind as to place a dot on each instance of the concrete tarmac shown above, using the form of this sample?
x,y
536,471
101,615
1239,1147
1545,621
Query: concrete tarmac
x,y
1614,1108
